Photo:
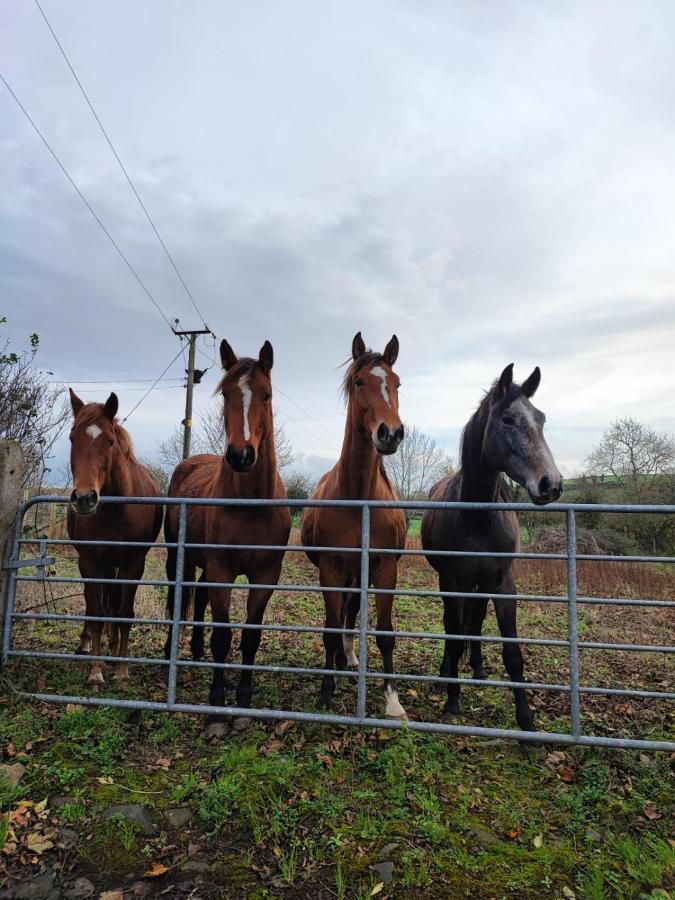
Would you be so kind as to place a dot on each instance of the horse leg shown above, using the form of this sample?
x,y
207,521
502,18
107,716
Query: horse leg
x,y
94,607
250,639
124,608
454,647
477,613
201,601
352,603
170,576
221,638
330,576
385,576
511,654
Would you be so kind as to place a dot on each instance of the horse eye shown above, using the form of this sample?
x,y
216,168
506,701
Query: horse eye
x,y
268,397
110,443
359,382
508,420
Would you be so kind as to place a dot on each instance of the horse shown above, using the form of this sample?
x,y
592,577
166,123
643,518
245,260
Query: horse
x,y
247,470
373,430
102,462
504,436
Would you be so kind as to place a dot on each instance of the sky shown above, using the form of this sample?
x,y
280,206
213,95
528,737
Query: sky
x,y
493,182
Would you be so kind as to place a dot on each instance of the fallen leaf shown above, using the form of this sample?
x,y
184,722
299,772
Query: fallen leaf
x,y
41,806
163,762
325,759
111,895
40,683
569,893
73,708
538,841
378,887
649,811
513,834
36,843
277,851
272,746
105,779
411,692
284,726
155,870
566,774
10,750
385,734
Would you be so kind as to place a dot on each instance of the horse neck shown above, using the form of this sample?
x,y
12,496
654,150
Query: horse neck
x,y
261,481
359,464
480,482
119,482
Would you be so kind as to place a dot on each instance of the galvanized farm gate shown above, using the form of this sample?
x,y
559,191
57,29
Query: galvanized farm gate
x,y
573,688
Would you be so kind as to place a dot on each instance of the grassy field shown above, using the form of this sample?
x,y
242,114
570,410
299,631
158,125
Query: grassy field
x,y
296,810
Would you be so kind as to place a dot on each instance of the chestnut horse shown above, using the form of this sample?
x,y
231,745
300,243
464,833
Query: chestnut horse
x,y
103,463
504,435
248,470
373,429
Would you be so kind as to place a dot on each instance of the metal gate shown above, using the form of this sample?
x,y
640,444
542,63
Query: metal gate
x,y
573,644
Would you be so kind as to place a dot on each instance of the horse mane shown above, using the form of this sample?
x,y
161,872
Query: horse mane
x,y
471,441
366,359
89,414
243,366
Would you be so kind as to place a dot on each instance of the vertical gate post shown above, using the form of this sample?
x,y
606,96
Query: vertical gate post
x,y
363,611
573,623
11,476
177,604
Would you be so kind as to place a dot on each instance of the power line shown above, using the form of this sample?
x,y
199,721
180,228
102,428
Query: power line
x,y
86,203
309,415
121,165
157,380
112,380
304,427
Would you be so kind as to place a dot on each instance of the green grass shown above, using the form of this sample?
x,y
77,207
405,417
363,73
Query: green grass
x,y
310,807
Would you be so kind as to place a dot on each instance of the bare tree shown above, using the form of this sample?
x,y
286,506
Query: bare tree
x,y
635,454
209,437
418,463
32,410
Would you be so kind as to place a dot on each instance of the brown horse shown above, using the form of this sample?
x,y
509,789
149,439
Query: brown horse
x,y
248,470
373,428
504,435
103,464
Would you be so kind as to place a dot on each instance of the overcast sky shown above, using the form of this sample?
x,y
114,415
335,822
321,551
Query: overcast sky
x,y
493,182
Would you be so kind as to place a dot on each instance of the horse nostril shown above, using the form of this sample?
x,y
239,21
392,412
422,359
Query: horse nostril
x,y
248,455
382,433
400,433
545,486
92,497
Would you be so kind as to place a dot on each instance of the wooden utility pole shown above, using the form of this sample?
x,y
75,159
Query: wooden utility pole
x,y
193,377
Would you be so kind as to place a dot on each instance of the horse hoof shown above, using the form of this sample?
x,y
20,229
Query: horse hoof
x,y
241,723
121,676
450,712
215,730
393,710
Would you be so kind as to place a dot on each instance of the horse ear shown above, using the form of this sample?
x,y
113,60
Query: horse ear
x,y
358,346
111,406
75,402
227,355
266,358
390,354
505,381
531,383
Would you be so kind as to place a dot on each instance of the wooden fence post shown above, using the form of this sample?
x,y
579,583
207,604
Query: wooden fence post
x,y
11,476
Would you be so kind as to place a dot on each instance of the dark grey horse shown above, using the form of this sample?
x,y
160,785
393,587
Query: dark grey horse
x,y
504,435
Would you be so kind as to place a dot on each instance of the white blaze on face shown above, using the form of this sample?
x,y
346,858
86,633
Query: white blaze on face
x,y
246,397
94,431
382,375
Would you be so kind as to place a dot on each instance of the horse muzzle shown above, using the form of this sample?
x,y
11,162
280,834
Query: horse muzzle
x,y
386,440
84,503
241,460
546,490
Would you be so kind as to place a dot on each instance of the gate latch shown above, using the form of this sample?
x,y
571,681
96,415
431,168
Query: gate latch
x,y
40,563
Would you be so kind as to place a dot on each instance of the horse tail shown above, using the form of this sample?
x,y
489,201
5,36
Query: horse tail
x,y
471,619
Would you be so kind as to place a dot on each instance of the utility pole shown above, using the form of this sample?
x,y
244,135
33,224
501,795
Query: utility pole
x,y
194,376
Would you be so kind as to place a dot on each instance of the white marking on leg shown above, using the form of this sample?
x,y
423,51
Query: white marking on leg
x,y
394,709
348,646
94,431
382,375
246,397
